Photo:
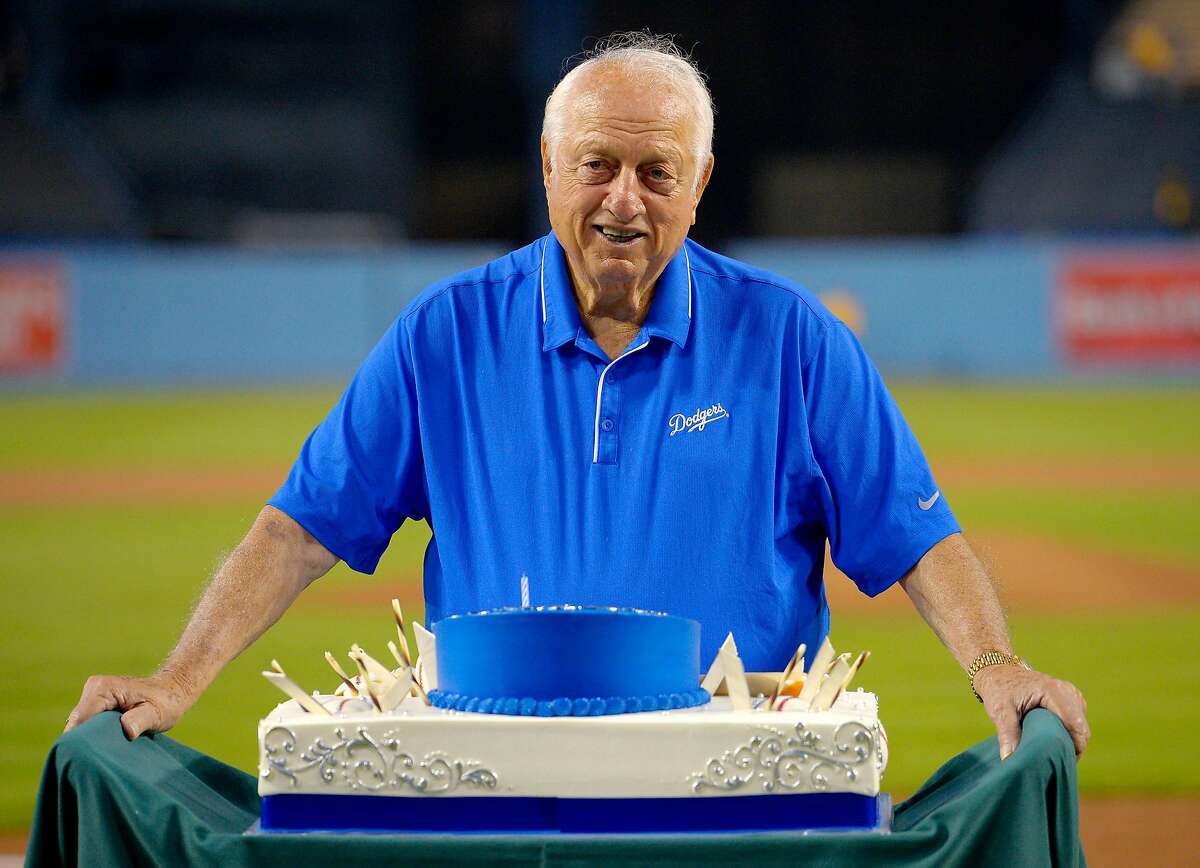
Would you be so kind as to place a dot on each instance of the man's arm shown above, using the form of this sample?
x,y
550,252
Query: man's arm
x,y
253,587
956,597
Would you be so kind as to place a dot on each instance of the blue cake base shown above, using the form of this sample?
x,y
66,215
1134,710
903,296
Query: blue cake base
x,y
826,812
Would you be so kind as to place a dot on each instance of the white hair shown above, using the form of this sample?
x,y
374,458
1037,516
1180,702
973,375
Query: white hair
x,y
640,55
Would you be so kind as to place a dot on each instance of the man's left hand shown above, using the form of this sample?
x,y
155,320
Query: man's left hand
x,y
1009,693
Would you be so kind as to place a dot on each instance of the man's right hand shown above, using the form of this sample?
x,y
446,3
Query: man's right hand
x,y
152,704
253,587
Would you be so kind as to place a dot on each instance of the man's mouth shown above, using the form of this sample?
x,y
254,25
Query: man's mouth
x,y
619,236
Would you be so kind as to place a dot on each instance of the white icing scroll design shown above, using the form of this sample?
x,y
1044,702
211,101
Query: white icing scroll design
x,y
796,761
363,762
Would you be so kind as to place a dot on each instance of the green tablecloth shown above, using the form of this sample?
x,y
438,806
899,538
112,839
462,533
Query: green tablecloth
x,y
153,801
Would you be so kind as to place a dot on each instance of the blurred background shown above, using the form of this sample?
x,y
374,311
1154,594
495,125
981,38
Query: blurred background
x,y
210,210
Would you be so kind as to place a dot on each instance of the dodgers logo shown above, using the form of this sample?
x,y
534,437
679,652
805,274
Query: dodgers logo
x,y
682,423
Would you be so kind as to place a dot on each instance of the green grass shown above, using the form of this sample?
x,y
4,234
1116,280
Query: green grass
x,y
106,588
1137,670
158,429
249,426
1045,421
91,590
1158,525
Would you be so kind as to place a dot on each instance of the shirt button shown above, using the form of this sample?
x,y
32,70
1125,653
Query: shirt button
x,y
607,425
612,378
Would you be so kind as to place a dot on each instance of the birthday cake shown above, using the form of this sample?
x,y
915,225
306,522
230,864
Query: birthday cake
x,y
570,719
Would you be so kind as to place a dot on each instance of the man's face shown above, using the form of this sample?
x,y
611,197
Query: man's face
x,y
623,183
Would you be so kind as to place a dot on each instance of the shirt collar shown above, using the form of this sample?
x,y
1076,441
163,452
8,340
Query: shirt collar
x,y
670,315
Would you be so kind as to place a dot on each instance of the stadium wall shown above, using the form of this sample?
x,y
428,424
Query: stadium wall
x,y
164,316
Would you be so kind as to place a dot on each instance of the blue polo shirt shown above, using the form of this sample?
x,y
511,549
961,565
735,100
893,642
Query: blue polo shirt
x,y
699,473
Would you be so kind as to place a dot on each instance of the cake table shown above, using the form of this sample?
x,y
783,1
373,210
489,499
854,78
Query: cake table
x,y
106,800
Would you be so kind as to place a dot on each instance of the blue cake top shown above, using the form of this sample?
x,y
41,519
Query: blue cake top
x,y
567,661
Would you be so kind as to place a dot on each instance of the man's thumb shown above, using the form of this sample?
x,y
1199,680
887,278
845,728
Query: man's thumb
x,y
1008,730
139,719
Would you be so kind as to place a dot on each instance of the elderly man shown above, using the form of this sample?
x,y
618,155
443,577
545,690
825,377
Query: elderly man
x,y
624,418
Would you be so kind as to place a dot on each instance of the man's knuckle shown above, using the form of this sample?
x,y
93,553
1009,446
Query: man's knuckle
x,y
1001,711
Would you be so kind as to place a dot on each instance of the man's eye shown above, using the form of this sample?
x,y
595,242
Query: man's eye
x,y
594,165
659,174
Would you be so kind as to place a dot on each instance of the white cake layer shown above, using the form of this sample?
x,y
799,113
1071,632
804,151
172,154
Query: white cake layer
x,y
707,751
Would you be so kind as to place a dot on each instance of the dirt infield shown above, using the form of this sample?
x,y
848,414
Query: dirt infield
x,y
1128,831
1042,574
1163,475
1034,572
81,486
84,487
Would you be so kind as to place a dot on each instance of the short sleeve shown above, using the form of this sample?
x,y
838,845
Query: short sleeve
x,y
360,473
882,508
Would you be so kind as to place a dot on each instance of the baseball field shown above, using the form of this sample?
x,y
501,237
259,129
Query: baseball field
x,y
1085,503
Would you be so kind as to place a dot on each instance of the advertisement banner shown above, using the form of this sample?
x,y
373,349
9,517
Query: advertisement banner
x,y
1136,308
33,314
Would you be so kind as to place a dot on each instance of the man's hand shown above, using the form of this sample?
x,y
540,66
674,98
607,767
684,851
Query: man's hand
x,y
1010,692
275,562
151,704
956,597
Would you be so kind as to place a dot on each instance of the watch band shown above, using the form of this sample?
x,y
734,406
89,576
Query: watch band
x,y
991,658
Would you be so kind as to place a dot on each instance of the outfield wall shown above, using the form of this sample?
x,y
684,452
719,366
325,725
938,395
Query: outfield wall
x,y
164,316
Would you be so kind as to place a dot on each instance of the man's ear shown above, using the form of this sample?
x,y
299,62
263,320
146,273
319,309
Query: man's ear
x,y
702,185
547,164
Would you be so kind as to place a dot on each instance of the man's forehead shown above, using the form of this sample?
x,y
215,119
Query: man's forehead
x,y
653,143
610,102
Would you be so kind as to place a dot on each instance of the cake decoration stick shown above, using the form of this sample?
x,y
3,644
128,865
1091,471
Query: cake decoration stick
x,y
358,655
417,690
735,680
712,679
387,697
427,659
852,670
404,649
380,681
832,685
341,673
375,671
812,681
403,653
279,678
375,700
797,660
855,666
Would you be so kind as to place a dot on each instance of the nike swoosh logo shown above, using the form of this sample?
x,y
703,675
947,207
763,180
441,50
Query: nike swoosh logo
x,y
933,498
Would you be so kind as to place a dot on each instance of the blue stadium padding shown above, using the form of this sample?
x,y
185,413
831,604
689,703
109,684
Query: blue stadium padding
x,y
158,315
833,811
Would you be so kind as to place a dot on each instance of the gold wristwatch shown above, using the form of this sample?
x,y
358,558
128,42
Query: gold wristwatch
x,y
992,658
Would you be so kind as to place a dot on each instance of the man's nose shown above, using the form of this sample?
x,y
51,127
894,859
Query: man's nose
x,y
624,200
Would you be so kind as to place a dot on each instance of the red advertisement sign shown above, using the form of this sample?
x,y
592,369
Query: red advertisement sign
x,y
1141,308
33,312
